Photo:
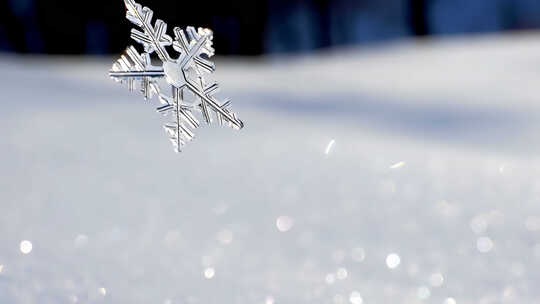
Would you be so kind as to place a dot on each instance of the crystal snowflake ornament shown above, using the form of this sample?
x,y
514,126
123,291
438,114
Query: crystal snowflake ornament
x,y
183,73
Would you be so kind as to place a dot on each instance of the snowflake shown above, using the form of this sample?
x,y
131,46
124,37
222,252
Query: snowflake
x,y
185,74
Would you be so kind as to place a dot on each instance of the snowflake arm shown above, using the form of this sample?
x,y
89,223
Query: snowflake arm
x,y
203,45
133,66
222,111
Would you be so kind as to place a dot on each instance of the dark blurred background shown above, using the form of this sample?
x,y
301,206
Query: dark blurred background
x,y
255,27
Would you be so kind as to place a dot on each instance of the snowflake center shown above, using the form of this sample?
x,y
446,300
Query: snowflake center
x,y
174,74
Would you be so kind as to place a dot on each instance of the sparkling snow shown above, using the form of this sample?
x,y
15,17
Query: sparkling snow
x,y
111,215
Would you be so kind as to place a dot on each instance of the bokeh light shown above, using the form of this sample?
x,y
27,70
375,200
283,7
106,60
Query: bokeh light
x,y
450,301
484,244
284,223
26,247
209,273
393,261
356,298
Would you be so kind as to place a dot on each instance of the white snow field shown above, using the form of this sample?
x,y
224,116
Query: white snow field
x,y
399,173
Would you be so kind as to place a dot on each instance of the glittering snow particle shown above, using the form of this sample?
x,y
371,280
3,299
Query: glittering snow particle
x,y
450,301
393,260
284,223
26,247
398,165
329,147
479,224
342,274
330,279
209,273
484,244
356,298
269,300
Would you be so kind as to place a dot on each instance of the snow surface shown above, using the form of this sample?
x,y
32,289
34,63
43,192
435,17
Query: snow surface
x,y
405,173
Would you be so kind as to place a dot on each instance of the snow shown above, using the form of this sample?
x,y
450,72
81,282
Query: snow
x,y
266,215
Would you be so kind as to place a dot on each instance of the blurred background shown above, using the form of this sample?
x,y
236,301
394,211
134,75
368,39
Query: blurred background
x,y
256,27
391,154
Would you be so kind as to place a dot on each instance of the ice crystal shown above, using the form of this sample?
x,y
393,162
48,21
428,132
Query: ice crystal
x,y
183,73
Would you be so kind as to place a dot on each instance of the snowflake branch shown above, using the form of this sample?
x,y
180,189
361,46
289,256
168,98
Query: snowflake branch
x,y
221,110
133,66
153,38
202,45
